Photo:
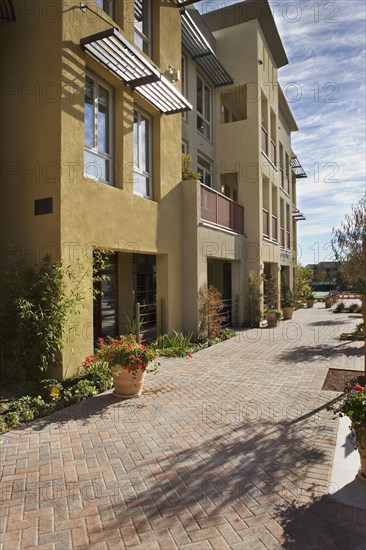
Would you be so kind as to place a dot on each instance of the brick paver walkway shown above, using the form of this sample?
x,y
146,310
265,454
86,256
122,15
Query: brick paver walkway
x,y
229,449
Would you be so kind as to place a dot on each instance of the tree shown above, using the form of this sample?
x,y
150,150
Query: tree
x,y
349,246
304,276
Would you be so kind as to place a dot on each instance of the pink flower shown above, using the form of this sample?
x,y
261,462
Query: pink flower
x,y
189,355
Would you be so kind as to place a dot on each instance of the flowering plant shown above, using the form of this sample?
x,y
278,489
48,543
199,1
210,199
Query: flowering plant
x,y
353,405
125,353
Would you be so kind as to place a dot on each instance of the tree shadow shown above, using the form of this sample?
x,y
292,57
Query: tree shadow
x,y
327,323
319,352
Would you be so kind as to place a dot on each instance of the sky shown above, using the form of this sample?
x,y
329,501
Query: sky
x,y
324,83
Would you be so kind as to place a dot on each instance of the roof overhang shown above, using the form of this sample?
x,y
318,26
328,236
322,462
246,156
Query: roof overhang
x,y
250,10
196,44
7,13
117,55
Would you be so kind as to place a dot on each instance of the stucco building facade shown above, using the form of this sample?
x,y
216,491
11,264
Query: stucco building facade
x,y
98,101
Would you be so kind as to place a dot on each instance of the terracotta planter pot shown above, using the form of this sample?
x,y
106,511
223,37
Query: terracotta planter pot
x,y
288,313
272,320
125,385
328,303
310,303
362,471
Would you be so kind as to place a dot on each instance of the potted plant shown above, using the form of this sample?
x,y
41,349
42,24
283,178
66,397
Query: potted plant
x,y
310,300
287,300
129,361
272,317
328,301
353,405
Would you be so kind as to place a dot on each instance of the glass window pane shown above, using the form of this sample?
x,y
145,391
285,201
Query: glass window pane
x,y
135,140
103,120
199,95
96,166
89,113
207,103
141,184
145,144
139,41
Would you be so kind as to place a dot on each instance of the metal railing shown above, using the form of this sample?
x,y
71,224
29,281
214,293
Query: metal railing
x,y
145,321
221,211
265,222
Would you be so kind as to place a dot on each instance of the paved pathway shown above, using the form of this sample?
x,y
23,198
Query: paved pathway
x,y
229,449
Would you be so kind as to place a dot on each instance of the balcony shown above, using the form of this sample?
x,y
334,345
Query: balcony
x,y
265,223
216,209
264,141
272,155
274,228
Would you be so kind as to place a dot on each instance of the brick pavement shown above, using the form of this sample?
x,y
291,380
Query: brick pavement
x,y
229,449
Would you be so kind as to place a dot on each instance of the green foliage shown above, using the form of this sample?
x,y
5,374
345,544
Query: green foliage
x,y
210,308
81,390
304,276
35,309
187,172
287,296
174,344
99,374
353,405
11,419
254,298
341,306
270,292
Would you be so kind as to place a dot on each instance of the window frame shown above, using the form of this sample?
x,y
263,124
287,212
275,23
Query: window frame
x,y
184,62
146,39
185,148
107,6
97,81
209,122
140,112
202,169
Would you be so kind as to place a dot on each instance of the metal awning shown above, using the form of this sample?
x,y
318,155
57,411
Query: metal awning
x,y
298,216
116,54
183,3
297,168
199,48
7,12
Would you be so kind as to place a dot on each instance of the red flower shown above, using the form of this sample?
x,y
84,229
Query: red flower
x,y
189,355
358,388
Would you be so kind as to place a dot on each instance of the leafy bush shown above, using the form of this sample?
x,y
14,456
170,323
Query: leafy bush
x,y
99,374
254,298
270,292
340,307
287,296
174,344
354,308
81,390
210,308
11,419
187,172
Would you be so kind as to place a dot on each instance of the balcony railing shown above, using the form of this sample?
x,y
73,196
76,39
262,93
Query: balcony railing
x,y
264,141
221,211
274,228
288,241
272,155
265,223
282,237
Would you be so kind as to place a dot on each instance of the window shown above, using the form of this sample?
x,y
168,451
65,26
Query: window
x,y
184,84
142,12
203,108
142,153
204,167
97,130
106,5
106,298
184,147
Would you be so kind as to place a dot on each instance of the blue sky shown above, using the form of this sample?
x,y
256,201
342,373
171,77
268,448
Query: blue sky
x,y
325,86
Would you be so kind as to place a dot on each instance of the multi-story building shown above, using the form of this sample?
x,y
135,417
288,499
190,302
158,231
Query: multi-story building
x,y
98,100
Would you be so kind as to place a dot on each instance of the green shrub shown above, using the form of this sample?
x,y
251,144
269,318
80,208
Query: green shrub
x,y
174,344
2,425
99,374
12,419
81,390
340,307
